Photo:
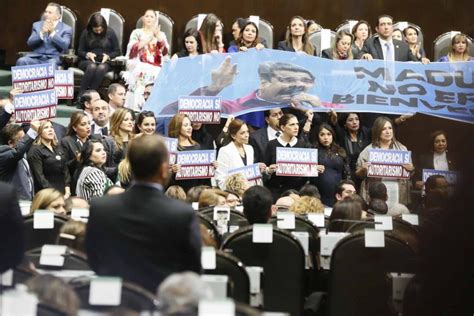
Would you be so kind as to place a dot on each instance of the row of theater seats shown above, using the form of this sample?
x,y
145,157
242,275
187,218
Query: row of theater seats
x,y
280,275
441,44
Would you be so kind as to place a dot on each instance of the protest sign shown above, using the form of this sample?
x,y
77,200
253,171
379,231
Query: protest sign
x,y
195,164
172,145
297,162
35,106
64,84
32,78
388,164
201,109
251,173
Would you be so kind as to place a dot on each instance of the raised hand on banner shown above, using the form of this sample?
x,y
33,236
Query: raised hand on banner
x,y
175,168
367,57
222,76
34,125
303,100
409,167
262,167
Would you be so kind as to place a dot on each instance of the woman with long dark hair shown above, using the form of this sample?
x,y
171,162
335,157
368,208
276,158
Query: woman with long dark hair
x,y
247,39
97,46
191,44
297,38
333,164
91,178
211,34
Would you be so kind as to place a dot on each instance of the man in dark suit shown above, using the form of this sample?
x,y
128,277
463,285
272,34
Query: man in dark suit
x,y
260,138
11,229
14,168
142,235
49,38
384,46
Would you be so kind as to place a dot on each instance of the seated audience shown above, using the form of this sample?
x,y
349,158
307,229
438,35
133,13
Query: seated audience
x,y
247,39
345,188
75,202
397,34
98,45
86,101
378,206
411,37
237,27
257,202
100,116
307,204
91,178
49,199
211,34
378,191
284,203
48,162
237,183
193,194
14,168
211,198
146,50
55,292
459,50
297,38
436,193
233,199
73,235
191,45
180,294
176,192
361,32
347,209
310,190
49,38
342,47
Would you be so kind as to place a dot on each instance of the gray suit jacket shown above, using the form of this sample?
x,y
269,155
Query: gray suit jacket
x,y
373,47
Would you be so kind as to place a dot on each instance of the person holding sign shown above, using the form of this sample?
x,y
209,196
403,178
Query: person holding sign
x,y
146,50
383,138
342,47
289,138
333,164
49,38
47,161
97,46
297,38
248,38
361,31
180,127
238,153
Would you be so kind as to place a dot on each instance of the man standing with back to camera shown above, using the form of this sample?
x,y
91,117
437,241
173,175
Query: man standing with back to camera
x,y
142,235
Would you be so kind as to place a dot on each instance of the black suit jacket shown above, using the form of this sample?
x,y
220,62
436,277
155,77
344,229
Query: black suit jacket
x,y
373,47
425,161
142,236
11,228
259,140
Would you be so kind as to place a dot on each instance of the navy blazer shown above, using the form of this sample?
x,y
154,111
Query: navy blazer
x,y
50,46
373,47
142,236
259,140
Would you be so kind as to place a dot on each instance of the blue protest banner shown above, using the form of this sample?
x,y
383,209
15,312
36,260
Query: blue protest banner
x,y
388,163
33,78
258,80
297,162
195,164
450,176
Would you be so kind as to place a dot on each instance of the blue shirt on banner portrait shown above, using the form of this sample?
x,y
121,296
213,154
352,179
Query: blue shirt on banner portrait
x,y
195,164
297,162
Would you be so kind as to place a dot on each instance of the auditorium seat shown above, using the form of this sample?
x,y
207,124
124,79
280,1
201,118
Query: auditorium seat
x,y
358,282
211,228
133,297
283,267
35,238
315,39
231,266
401,25
346,26
442,45
116,22
73,260
166,24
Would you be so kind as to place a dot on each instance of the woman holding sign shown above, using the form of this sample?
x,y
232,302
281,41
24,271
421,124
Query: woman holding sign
x,y
289,138
238,153
180,127
333,164
383,138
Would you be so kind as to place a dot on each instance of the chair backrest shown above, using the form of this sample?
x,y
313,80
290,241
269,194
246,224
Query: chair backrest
x,y
236,218
116,23
133,297
166,24
70,18
401,25
442,45
73,260
211,227
346,26
315,39
358,282
283,267
192,23
402,229
231,266
38,237
265,31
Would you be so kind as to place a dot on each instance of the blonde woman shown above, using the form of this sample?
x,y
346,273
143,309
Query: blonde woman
x,y
47,161
459,50
307,204
49,199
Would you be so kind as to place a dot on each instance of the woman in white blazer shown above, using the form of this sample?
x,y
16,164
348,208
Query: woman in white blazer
x,y
237,153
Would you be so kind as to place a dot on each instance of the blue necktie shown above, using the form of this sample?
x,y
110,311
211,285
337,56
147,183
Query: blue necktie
x,y
389,52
